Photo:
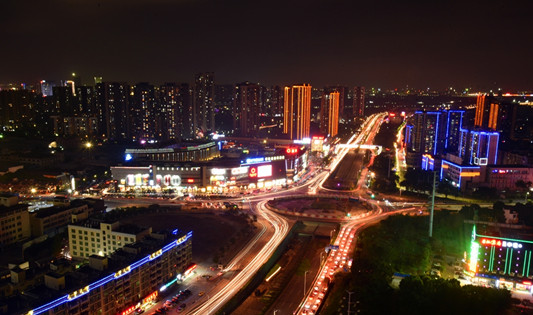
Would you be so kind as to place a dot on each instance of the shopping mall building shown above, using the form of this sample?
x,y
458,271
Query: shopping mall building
x,y
202,168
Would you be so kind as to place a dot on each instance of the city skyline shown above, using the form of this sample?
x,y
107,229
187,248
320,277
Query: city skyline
x,y
387,44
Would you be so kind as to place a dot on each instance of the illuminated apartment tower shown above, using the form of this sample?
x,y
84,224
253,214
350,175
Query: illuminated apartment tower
x,y
112,110
487,109
247,108
297,111
144,113
329,113
359,101
204,106
176,111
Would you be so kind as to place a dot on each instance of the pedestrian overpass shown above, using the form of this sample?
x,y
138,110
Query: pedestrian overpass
x,y
377,148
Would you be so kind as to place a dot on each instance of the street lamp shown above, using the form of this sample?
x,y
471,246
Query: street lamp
x,y
305,278
349,300
276,311
88,145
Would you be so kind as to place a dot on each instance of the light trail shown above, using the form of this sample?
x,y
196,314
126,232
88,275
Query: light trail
x,y
281,228
337,260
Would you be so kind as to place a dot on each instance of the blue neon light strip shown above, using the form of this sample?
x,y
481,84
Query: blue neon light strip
x,y
447,131
436,135
107,279
497,143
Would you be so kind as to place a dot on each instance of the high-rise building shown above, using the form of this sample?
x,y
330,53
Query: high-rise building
x,y
64,102
433,133
297,111
85,103
487,108
274,101
247,108
359,101
176,111
144,112
479,147
204,106
329,113
47,88
112,106
343,97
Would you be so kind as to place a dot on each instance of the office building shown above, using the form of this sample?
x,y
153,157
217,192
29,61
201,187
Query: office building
x,y
297,111
204,105
329,113
247,108
101,238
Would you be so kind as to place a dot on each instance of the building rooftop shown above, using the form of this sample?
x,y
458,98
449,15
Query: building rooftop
x,y
45,212
85,275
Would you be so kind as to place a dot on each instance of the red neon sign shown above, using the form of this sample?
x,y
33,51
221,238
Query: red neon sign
x,y
129,310
490,242
190,269
150,297
292,150
318,138
190,180
253,172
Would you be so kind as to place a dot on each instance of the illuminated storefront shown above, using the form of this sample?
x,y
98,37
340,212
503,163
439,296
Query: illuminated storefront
x,y
501,262
257,172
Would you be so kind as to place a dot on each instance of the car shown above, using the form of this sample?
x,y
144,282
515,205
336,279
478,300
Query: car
x,y
201,293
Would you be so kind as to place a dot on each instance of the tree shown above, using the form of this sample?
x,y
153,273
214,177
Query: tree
x,y
446,188
499,214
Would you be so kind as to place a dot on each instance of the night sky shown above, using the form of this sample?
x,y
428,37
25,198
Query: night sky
x,y
388,44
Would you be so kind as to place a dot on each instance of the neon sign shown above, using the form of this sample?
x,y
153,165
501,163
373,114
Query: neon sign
x,y
292,150
122,272
253,172
499,243
255,160
78,293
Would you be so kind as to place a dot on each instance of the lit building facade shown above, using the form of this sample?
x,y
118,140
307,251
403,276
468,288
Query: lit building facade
x,y
500,261
130,279
145,115
329,114
112,106
479,147
359,101
101,238
247,108
204,105
175,103
297,111
14,220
